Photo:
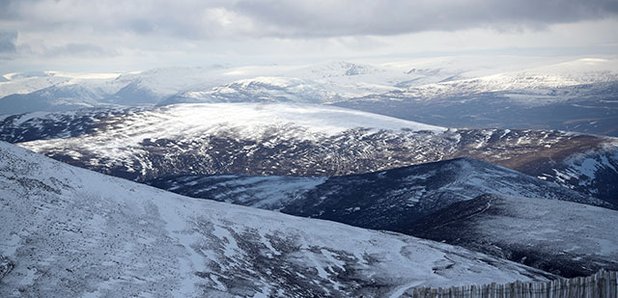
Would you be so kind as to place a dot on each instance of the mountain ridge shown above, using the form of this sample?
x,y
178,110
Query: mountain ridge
x,y
300,140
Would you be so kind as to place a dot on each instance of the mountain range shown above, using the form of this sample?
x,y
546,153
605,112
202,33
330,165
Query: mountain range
x,y
337,179
574,95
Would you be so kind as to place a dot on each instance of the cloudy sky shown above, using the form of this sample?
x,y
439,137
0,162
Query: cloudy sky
x,y
112,35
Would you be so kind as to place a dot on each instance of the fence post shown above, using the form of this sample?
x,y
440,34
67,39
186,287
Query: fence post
x,y
600,285
613,282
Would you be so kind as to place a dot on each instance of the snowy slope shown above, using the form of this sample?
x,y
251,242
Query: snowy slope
x,y
49,125
23,92
321,83
529,88
260,89
23,83
533,86
172,80
200,127
152,86
60,97
299,83
587,170
338,80
422,79
86,234
441,201
253,120
264,192
388,200
54,91
294,139
565,238
578,95
14,84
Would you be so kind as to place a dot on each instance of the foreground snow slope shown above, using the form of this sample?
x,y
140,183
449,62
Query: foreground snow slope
x,y
71,232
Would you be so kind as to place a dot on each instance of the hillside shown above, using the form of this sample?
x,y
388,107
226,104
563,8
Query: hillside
x,y
88,234
302,140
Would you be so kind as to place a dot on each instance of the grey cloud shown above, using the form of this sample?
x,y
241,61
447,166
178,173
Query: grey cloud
x,y
164,31
372,17
7,42
5,8
193,19
182,18
79,49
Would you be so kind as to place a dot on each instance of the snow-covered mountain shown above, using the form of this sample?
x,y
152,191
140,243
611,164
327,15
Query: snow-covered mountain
x,y
533,87
260,89
28,82
70,232
410,80
314,83
61,91
299,139
565,238
578,95
54,98
322,83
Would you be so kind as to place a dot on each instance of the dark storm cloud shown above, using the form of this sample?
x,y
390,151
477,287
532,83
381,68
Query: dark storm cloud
x,y
372,17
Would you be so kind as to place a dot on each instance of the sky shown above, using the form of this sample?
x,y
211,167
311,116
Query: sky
x,y
112,35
